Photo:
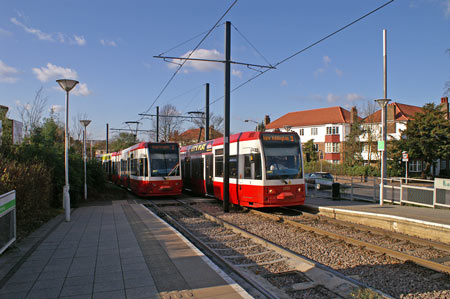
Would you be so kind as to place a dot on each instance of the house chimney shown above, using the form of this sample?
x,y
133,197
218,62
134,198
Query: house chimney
x,y
391,111
353,115
266,120
3,111
444,107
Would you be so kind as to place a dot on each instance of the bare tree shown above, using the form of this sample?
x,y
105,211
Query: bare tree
x,y
215,121
370,128
77,127
168,124
31,114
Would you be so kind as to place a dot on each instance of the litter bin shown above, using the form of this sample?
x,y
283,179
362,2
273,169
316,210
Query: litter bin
x,y
336,193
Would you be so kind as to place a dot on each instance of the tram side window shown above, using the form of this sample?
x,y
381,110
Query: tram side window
x,y
219,166
252,166
233,167
134,169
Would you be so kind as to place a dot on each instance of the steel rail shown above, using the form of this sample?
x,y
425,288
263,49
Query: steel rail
x,y
288,253
213,255
415,240
393,253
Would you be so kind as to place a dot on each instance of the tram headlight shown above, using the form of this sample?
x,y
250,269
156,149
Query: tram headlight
x,y
299,189
271,191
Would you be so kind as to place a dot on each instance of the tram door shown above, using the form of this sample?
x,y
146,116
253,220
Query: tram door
x,y
209,174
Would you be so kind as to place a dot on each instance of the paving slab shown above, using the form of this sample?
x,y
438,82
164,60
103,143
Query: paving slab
x,y
115,250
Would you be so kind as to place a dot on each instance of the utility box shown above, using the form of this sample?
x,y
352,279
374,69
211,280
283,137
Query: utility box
x,y
335,191
7,220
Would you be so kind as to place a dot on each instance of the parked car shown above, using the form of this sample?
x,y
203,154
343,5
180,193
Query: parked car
x,y
320,180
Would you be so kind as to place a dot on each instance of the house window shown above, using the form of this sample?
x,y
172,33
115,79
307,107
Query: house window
x,y
332,147
415,166
316,147
314,131
333,130
301,132
365,148
443,164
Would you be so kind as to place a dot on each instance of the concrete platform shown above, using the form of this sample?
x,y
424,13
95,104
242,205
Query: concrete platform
x,y
428,223
111,250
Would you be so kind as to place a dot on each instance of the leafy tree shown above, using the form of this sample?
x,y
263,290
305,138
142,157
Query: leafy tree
x,y
122,141
427,137
308,150
353,145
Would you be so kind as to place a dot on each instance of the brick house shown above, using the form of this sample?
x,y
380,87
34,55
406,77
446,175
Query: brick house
x,y
329,127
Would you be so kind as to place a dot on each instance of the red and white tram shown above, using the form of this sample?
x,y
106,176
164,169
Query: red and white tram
x,y
147,169
266,169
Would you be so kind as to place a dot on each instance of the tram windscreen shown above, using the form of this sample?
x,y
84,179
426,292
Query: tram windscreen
x,y
164,160
282,156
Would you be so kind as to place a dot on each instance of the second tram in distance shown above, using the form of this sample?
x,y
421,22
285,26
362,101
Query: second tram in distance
x,y
266,169
147,168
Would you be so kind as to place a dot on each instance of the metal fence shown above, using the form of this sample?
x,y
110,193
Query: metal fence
x,y
429,193
7,220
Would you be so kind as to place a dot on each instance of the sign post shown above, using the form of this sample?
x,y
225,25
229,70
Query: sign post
x,y
405,159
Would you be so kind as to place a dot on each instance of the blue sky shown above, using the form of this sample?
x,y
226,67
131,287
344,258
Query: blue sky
x,y
109,46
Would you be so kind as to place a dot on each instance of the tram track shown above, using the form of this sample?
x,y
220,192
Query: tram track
x,y
426,253
380,271
273,271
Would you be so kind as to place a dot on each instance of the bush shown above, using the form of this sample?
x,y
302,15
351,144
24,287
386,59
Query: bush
x,y
33,186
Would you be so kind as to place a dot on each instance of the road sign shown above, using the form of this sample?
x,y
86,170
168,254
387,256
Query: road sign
x,y
405,156
380,146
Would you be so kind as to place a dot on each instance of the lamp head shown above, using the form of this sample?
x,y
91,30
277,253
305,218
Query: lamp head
x,y
67,84
85,122
383,102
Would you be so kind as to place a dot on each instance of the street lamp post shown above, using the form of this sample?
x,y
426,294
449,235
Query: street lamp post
x,y
253,121
85,123
67,85
383,103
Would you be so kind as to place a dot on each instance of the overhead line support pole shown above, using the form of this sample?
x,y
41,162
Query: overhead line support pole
x,y
157,123
226,142
207,113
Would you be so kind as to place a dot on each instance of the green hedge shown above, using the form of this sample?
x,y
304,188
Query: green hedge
x,y
34,195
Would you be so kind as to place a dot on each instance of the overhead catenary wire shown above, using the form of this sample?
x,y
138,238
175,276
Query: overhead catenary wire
x,y
251,45
185,42
306,48
190,54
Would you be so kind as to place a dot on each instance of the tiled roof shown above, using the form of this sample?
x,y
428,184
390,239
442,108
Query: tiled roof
x,y
403,112
331,115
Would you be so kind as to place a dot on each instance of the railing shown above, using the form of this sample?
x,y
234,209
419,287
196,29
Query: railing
x,y
428,193
7,220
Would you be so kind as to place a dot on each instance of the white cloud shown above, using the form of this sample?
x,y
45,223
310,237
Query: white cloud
x,y
79,40
203,66
354,97
8,73
38,33
284,83
81,90
319,71
236,73
52,71
332,98
326,60
446,4
56,108
110,43
4,32
60,37
339,72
